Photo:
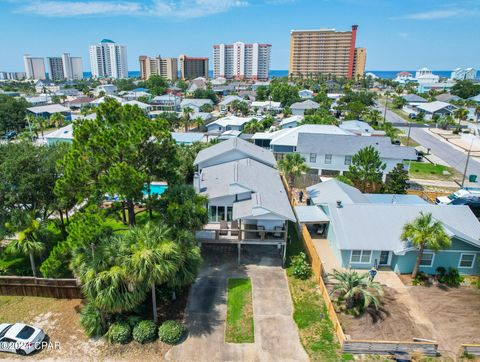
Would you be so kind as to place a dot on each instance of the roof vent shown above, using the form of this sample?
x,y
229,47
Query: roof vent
x,y
339,204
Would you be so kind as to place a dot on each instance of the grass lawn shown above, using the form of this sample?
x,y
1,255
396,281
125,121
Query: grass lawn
x,y
239,327
427,170
310,313
408,142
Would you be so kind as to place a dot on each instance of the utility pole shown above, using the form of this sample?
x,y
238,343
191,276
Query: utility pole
x,y
466,163
385,111
408,136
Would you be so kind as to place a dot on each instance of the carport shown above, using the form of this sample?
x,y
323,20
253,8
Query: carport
x,y
313,217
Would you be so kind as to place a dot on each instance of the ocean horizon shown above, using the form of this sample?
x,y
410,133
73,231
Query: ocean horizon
x,y
385,74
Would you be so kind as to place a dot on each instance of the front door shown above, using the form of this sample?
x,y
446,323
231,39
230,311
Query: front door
x,y
384,258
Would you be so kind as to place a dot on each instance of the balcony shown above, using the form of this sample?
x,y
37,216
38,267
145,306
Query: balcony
x,y
236,233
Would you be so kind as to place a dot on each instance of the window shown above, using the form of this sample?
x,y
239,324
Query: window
x,y
313,157
361,256
348,160
427,259
466,260
328,159
218,213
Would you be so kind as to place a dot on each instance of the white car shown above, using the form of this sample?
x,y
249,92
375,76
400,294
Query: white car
x,y
445,200
20,338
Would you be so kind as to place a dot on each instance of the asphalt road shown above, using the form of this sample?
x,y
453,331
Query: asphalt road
x,y
450,155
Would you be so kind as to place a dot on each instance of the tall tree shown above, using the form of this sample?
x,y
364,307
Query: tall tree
x,y
186,119
366,169
425,233
12,113
397,180
292,165
118,153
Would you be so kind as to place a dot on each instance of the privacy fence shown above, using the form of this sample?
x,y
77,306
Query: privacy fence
x,y
40,287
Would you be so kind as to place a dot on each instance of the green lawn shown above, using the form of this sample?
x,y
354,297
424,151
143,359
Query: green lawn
x,y
310,313
239,327
427,170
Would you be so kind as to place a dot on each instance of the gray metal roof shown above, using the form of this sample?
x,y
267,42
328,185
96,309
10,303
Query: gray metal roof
x,y
350,144
310,214
244,147
379,226
395,199
308,104
414,98
268,195
332,190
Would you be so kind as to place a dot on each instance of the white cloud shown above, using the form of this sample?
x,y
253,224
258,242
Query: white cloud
x,y
163,8
442,14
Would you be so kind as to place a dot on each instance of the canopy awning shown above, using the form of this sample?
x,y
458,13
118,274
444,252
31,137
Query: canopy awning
x,y
311,215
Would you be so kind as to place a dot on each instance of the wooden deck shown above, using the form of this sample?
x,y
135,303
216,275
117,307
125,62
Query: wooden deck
x,y
246,234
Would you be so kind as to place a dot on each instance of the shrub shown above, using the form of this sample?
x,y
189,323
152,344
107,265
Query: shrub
x,y
301,268
91,321
145,332
170,332
119,332
421,279
451,277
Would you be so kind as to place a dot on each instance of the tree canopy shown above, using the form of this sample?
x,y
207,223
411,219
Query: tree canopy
x,y
12,113
366,170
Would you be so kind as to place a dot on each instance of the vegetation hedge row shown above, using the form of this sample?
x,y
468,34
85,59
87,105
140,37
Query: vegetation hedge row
x,y
170,332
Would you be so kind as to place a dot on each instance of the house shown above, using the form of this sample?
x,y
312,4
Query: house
x,y
360,128
135,94
266,106
331,154
105,89
447,97
436,108
144,106
197,83
195,104
291,122
247,202
48,110
440,86
363,232
305,94
78,103
101,100
476,98
404,77
39,100
64,134
225,104
47,86
229,123
188,138
299,108
167,102
413,100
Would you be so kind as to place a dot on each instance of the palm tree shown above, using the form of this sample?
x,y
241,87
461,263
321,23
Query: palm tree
x,y
425,233
252,127
355,292
199,122
187,111
154,259
461,114
57,120
27,242
477,113
292,165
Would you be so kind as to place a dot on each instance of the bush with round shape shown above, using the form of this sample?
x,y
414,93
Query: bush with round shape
x,y
170,332
145,332
119,332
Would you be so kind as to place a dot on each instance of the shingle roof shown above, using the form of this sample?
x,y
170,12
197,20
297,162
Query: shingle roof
x,y
50,108
413,98
433,107
195,102
308,104
247,175
244,147
228,99
332,191
338,144
290,137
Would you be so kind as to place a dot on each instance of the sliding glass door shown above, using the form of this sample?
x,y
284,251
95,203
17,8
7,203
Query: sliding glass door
x,y
219,213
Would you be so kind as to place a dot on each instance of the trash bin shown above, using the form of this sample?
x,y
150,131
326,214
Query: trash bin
x,y
472,178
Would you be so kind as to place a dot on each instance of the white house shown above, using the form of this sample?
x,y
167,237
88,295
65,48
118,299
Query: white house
x,y
413,100
436,108
107,89
229,123
167,102
305,94
225,104
425,75
195,104
266,106
291,122
299,108
360,128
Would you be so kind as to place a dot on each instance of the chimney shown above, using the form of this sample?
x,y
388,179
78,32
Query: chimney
x,y
196,182
339,204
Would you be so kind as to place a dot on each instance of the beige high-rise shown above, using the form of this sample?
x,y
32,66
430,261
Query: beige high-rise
x,y
164,67
326,51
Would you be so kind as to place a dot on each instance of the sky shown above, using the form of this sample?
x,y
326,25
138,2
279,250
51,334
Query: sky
x,y
398,34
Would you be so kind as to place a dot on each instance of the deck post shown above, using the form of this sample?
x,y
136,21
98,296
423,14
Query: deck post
x,y
239,250
284,254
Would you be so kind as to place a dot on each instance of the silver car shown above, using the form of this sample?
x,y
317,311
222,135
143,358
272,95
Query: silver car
x,y
20,338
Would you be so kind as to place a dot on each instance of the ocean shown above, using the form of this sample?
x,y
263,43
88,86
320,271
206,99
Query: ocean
x,y
386,74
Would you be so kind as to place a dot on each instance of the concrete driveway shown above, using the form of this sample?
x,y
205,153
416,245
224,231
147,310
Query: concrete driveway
x,y
276,336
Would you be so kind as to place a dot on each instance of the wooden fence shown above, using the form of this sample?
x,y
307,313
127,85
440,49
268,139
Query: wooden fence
x,y
429,196
471,349
40,287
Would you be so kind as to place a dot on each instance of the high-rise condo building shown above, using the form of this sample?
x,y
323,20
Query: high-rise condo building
x,y
326,51
65,67
241,61
34,67
164,67
108,60
191,68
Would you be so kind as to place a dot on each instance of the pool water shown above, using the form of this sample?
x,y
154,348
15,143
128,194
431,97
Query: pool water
x,y
155,189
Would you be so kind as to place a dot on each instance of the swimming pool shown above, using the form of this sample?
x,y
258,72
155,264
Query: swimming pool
x,y
155,189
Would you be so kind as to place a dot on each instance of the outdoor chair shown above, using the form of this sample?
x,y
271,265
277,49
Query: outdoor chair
x,y
235,229
223,228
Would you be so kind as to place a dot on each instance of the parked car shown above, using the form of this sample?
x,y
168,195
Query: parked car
x,y
446,200
412,115
472,201
9,135
20,338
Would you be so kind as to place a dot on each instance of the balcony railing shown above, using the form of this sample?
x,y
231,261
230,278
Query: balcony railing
x,y
244,234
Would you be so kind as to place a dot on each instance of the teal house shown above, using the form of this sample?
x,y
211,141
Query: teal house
x,y
64,134
363,230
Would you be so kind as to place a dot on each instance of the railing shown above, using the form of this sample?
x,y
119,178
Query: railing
x,y
241,234
40,287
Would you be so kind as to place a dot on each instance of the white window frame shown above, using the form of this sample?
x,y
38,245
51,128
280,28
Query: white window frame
x,y
473,261
361,254
431,263
314,158
349,160
330,161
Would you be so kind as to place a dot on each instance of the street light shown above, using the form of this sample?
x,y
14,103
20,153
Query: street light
x,y
466,163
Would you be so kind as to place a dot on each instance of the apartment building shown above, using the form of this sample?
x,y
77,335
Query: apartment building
x,y
12,75
326,51
164,67
65,67
34,67
191,68
241,61
108,60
